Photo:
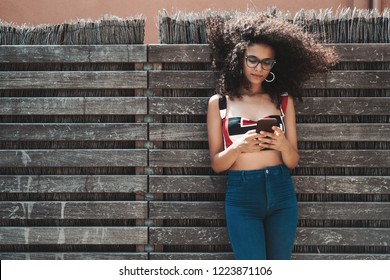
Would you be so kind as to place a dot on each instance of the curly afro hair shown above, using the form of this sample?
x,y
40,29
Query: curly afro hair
x,y
297,53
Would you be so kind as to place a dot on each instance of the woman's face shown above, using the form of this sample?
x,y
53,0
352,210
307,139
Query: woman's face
x,y
258,61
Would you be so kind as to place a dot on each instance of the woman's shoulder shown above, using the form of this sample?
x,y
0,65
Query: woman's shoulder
x,y
217,98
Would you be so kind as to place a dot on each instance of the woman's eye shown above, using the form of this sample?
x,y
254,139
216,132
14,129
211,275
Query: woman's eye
x,y
252,60
267,62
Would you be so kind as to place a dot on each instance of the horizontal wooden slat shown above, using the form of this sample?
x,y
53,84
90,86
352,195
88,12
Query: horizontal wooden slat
x,y
21,210
73,235
73,256
308,158
179,158
188,236
361,52
73,132
182,79
186,184
305,236
306,132
295,256
73,106
191,256
73,158
178,132
349,256
72,53
343,132
303,184
73,184
358,184
343,236
186,210
307,210
368,79
340,106
180,53
310,106
344,210
344,158
358,79
178,106
73,79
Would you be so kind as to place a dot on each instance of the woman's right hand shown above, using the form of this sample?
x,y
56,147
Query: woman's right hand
x,y
248,143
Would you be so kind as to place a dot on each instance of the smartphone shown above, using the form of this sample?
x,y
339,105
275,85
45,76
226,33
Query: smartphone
x,y
266,124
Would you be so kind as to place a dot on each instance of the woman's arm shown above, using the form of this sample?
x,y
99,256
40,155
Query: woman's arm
x,y
287,143
221,159
289,150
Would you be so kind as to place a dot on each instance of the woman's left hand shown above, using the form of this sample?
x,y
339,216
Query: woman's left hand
x,y
276,140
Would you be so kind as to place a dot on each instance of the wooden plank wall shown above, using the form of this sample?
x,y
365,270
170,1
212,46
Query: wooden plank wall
x,y
104,164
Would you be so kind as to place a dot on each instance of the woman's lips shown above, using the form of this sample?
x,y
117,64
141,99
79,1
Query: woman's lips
x,y
257,76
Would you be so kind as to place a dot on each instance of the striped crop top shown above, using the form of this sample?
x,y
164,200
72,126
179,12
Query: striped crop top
x,y
234,127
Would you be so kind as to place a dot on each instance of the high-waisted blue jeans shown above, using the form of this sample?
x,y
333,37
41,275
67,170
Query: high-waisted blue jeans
x,y
261,213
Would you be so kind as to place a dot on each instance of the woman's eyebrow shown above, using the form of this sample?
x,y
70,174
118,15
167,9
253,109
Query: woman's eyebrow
x,y
259,58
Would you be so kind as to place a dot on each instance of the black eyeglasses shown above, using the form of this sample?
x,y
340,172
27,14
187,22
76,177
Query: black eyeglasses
x,y
266,64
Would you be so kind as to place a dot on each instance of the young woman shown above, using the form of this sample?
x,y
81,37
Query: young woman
x,y
262,63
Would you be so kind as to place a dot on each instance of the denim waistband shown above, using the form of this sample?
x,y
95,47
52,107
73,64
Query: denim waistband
x,y
274,170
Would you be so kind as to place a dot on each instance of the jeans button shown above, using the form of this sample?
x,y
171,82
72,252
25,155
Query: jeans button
x,y
266,171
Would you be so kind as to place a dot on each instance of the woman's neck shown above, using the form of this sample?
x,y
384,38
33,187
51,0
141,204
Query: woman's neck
x,y
252,91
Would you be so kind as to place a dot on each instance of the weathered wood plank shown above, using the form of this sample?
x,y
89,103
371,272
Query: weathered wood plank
x,y
343,106
340,256
307,210
305,236
309,106
186,210
303,184
334,80
73,53
73,235
361,52
344,158
358,184
73,256
188,236
306,132
182,79
186,184
344,210
343,236
22,210
295,256
179,53
73,158
368,79
178,106
73,184
186,53
73,132
179,158
308,158
343,132
191,256
73,79
73,106
177,132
